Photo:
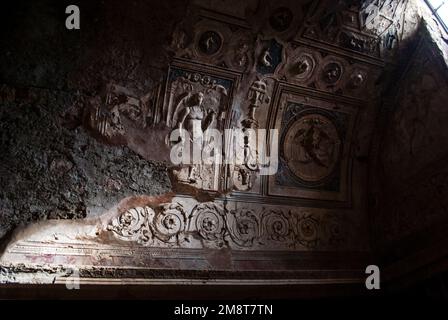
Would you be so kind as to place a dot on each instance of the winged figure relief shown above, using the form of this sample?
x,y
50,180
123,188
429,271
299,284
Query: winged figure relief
x,y
314,145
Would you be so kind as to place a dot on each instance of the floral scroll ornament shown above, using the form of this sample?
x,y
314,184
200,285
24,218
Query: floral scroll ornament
x,y
132,225
214,226
208,220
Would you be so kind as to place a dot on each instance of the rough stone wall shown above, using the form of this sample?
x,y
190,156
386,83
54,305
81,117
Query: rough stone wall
x,y
50,166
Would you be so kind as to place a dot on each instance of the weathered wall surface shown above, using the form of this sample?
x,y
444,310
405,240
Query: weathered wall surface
x,y
409,200
50,166
85,115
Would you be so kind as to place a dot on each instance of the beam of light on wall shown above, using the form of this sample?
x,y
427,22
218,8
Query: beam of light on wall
x,y
439,9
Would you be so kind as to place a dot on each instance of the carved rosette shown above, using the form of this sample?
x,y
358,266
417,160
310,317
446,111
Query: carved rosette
x,y
307,230
208,220
169,223
332,73
357,79
276,225
301,65
132,225
244,227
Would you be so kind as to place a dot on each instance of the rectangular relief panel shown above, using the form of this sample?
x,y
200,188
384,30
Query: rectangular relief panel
x,y
314,148
198,98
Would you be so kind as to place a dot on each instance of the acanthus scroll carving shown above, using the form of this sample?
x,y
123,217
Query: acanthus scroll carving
x,y
211,225
147,226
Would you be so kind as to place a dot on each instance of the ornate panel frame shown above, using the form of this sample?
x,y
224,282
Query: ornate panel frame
x,y
216,84
339,116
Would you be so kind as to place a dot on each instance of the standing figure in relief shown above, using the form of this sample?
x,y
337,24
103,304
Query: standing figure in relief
x,y
194,118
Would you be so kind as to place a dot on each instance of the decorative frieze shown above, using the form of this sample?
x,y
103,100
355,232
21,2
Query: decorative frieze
x,y
212,225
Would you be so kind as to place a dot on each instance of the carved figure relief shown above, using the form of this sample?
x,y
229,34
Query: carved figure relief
x,y
269,57
210,94
332,73
239,56
197,101
210,42
105,116
359,42
385,19
312,147
313,153
242,178
357,79
301,65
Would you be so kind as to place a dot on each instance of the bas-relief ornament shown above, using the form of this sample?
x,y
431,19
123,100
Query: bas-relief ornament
x,y
332,73
211,225
323,22
312,147
358,79
197,101
269,56
183,239
217,44
210,40
189,88
391,21
117,102
301,65
203,96
376,32
350,18
147,226
280,19
239,55
105,116
359,42
306,67
314,144
257,101
378,16
257,96
243,178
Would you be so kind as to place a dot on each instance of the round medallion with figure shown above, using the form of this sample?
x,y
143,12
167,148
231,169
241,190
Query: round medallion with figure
x,y
210,43
311,147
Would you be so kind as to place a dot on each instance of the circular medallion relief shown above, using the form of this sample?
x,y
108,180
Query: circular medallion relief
x,y
302,67
281,19
311,147
209,42
332,72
